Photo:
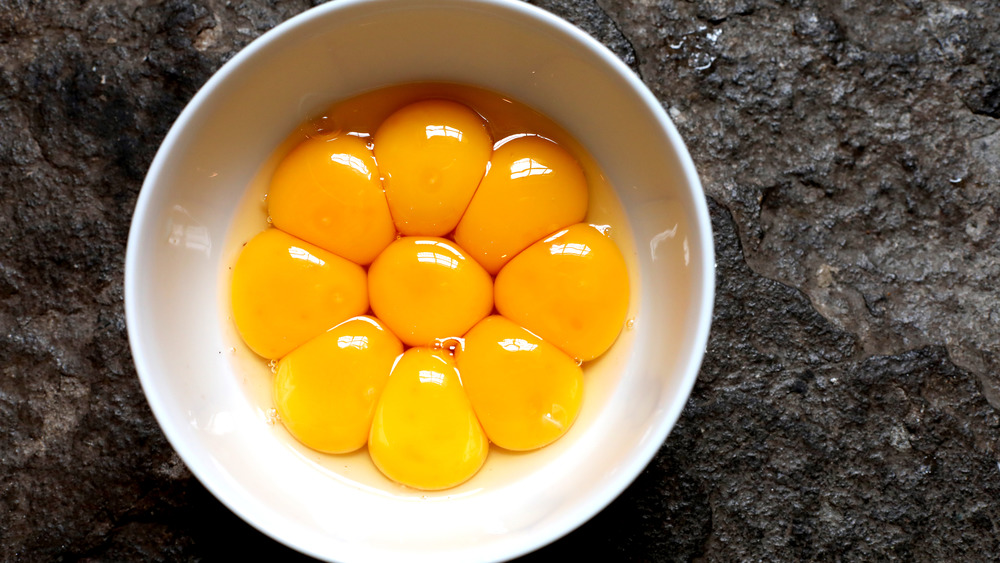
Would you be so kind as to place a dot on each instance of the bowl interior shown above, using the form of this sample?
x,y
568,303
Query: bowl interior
x,y
180,247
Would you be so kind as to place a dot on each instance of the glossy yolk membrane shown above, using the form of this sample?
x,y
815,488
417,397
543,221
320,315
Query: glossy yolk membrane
x,y
427,414
425,433
427,289
286,291
328,192
533,189
525,391
326,390
432,155
571,289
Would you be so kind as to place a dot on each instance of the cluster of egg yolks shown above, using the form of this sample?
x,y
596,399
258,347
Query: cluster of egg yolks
x,y
427,414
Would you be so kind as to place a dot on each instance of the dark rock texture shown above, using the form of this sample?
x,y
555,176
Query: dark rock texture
x,y
849,405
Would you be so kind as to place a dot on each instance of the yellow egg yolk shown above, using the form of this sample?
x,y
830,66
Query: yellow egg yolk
x,y
426,289
425,433
571,289
533,188
326,390
328,192
432,155
526,392
286,291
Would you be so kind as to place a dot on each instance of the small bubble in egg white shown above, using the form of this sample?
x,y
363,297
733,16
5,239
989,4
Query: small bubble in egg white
x,y
451,343
630,324
272,416
273,364
322,127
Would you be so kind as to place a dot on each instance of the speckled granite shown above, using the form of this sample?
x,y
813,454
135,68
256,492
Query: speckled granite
x,y
849,405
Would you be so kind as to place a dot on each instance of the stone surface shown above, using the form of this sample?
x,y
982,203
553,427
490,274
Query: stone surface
x,y
848,404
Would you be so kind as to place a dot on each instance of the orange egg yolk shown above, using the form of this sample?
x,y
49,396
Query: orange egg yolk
x,y
426,289
286,291
325,390
533,189
526,392
425,433
571,289
328,192
432,155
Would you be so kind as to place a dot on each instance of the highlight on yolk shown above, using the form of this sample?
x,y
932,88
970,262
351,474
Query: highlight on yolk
x,y
326,390
328,192
533,188
425,433
526,392
286,291
571,289
432,155
426,289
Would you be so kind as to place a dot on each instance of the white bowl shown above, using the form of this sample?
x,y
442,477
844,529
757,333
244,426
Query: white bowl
x,y
205,397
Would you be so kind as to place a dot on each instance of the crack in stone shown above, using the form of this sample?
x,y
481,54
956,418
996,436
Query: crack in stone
x,y
637,64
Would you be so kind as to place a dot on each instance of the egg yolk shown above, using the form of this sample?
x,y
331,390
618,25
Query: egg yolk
x,y
328,192
571,289
326,390
432,155
532,189
286,291
426,289
425,433
526,392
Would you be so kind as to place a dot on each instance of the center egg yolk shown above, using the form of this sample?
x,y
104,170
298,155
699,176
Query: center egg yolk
x,y
426,289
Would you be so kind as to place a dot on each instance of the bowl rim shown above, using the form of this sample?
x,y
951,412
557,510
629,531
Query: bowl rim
x,y
702,227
